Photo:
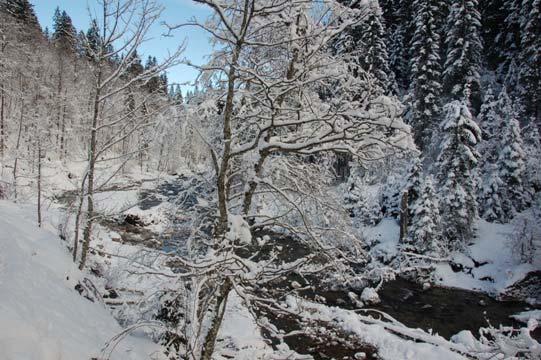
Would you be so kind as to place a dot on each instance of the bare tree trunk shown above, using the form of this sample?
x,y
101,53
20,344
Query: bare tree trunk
x,y
2,104
60,101
404,216
87,232
78,218
63,128
224,166
17,146
39,183
219,311
248,196
2,129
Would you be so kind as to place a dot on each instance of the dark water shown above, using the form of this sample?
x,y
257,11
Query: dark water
x,y
441,310
445,310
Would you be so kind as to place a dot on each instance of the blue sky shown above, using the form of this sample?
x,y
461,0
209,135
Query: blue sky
x,y
176,11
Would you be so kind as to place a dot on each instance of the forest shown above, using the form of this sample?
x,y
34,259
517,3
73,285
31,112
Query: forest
x,y
342,179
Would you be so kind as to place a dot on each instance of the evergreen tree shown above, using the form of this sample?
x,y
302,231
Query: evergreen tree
x,y
491,203
153,84
352,197
64,34
424,234
176,95
135,67
511,168
425,69
92,41
21,10
492,16
488,116
456,174
163,83
530,59
532,148
414,183
463,49
399,38
365,43
373,56
490,120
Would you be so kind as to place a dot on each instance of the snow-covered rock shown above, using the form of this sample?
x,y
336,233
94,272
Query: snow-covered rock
x,y
370,296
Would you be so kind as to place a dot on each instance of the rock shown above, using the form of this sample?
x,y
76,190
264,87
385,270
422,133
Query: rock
x,y
295,285
528,289
370,296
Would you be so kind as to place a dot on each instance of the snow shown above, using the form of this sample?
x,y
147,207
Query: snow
x,y
491,249
525,316
384,237
115,201
42,316
370,296
239,230
374,332
242,339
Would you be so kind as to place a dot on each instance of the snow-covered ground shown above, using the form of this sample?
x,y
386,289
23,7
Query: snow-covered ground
x,y
495,267
42,316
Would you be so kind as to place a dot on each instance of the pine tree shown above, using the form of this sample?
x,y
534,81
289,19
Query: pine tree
x,y
488,116
414,183
532,148
64,34
21,10
512,170
136,67
490,121
492,204
492,16
373,56
456,173
365,43
424,234
425,69
463,49
530,59
163,83
92,41
400,34
176,95
352,197
153,84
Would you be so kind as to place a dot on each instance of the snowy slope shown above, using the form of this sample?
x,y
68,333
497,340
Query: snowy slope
x,y
42,317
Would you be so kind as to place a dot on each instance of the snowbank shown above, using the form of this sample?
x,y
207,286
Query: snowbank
x,y
496,268
42,317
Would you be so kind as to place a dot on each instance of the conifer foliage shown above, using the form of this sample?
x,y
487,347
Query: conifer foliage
x,y
426,69
530,58
425,232
511,167
456,173
366,46
64,34
463,45
21,10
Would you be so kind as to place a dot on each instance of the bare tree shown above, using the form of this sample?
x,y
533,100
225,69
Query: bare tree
x,y
124,26
282,102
